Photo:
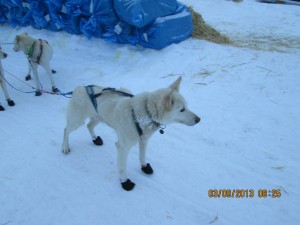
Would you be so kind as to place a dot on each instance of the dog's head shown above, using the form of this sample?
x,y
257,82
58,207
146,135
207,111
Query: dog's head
x,y
3,55
18,41
171,106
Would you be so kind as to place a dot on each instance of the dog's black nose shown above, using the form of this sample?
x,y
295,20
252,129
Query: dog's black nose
x,y
197,119
5,55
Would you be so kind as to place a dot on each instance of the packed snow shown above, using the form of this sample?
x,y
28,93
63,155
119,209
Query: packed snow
x,y
247,95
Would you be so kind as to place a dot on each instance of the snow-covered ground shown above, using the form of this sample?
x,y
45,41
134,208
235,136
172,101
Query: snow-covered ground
x,y
247,97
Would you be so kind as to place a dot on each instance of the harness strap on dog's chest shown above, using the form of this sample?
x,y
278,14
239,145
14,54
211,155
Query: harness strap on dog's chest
x,y
137,125
31,50
41,52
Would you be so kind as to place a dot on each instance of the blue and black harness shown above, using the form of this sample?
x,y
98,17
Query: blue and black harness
x,y
93,97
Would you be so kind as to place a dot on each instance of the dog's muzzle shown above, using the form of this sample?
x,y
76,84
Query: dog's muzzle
x,y
197,119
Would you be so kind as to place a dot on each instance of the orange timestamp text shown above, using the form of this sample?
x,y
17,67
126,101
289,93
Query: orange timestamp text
x,y
244,193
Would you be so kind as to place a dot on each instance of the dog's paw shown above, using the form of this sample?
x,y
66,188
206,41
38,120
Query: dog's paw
x,y
28,77
1,108
127,185
98,141
10,102
38,93
55,89
66,151
147,169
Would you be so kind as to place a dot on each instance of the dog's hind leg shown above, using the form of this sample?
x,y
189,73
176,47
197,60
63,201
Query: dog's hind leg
x,y
49,72
74,121
91,125
65,146
68,129
146,168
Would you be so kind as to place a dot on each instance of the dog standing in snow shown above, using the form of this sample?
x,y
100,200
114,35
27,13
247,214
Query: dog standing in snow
x,y
10,102
134,118
38,52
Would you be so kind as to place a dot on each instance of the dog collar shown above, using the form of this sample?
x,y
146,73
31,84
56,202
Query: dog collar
x,y
31,49
157,124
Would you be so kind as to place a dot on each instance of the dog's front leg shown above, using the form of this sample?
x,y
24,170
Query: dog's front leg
x,y
36,78
3,85
122,163
146,168
28,76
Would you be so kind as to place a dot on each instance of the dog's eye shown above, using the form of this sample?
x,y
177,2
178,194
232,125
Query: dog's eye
x,y
182,110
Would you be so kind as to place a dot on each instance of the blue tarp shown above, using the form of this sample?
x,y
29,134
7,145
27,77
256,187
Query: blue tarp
x,y
11,12
74,14
152,24
120,33
167,30
140,13
55,14
39,13
102,19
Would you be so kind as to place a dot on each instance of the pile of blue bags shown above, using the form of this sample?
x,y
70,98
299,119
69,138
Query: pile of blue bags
x,y
150,23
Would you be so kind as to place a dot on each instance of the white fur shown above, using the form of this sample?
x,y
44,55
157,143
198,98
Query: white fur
x,y
23,43
3,55
165,106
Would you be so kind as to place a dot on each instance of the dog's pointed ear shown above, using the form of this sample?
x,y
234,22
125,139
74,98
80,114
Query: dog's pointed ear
x,y
168,101
176,85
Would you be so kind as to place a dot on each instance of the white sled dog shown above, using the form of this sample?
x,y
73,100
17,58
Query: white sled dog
x,y
38,52
10,102
134,118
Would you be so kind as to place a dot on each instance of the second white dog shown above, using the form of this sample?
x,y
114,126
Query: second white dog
x,y
38,52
